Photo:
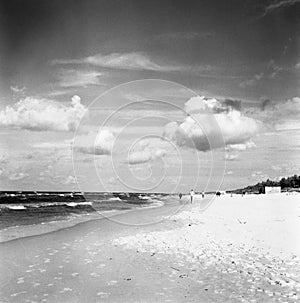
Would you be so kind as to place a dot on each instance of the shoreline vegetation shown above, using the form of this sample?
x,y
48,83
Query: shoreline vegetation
x,y
287,184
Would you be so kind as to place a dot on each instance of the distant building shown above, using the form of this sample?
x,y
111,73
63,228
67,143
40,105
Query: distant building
x,y
272,189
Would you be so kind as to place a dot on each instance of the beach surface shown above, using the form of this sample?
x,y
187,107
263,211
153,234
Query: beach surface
x,y
239,249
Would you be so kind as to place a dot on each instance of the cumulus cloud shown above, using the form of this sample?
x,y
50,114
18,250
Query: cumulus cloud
x,y
147,150
283,115
78,78
43,114
211,124
100,143
233,104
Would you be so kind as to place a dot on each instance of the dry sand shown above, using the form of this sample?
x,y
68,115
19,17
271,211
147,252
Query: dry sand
x,y
241,249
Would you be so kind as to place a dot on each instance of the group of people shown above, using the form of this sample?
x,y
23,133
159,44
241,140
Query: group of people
x,y
192,194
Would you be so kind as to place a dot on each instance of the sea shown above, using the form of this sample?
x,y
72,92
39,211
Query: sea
x,y
30,208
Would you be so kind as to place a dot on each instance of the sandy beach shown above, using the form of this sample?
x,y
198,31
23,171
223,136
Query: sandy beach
x,y
240,249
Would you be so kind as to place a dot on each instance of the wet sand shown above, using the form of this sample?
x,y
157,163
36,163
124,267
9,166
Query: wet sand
x,y
238,250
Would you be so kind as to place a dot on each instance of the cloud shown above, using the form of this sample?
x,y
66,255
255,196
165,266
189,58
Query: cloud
x,y
18,176
240,146
252,81
147,150
43,114
280,116
233,104
297,65
100,143
137,61
271,71
53,145
128,61
279,5
18,90
210,125
78,78
231,157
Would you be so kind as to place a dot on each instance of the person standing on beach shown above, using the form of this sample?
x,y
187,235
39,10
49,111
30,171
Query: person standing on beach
x,y
180,196
203,195
192,193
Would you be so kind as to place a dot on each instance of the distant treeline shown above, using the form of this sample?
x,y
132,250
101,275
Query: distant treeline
x,y
292,182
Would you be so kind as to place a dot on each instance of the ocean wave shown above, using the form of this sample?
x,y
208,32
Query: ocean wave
x,y
74,204
17,207
115,199
144,197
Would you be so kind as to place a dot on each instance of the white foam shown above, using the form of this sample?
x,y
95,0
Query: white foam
x,y
115,199
16,207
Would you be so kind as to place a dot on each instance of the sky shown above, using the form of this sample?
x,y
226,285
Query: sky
x,y
148,95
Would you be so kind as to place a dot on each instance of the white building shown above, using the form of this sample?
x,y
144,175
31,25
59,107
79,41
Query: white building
x,y
272,189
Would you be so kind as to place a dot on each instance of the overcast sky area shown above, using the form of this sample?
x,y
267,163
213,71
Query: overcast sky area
x,y
223,112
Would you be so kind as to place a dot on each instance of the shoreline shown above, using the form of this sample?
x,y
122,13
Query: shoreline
x,y
237,250
23,231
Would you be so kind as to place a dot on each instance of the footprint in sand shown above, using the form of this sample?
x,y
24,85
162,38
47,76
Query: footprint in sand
x,y
101,265
112,282
94,274
66,289
20,281
18,293
102,294
47,260
36,284
74,274
57,278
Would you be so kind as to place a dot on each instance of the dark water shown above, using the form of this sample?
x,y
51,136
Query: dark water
x,y
27,208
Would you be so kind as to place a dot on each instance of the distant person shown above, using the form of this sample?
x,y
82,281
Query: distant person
x,y
192,193
180,196
218,194
203,194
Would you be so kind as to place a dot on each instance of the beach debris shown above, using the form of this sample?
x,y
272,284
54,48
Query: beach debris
x,y
183,276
